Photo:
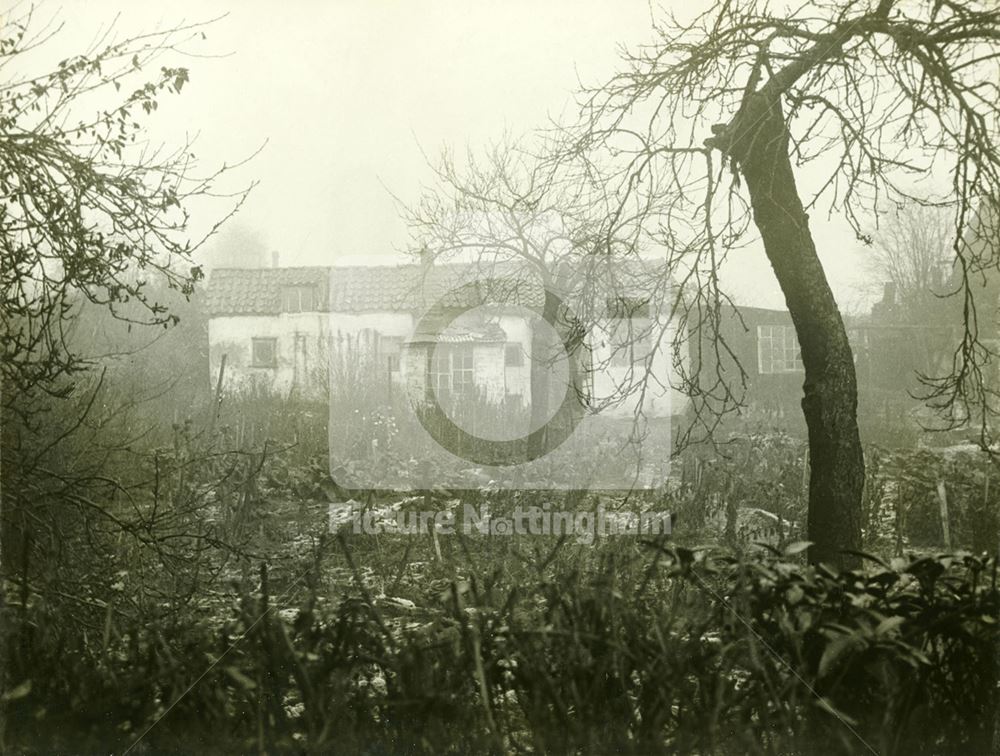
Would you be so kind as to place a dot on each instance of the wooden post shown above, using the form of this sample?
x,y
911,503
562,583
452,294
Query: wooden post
x,y
899,517
428,500
943,499
434,537
218,394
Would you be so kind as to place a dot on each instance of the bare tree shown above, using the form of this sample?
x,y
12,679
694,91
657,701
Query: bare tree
x,y
91,208
512,213
873,94
609,289
912,251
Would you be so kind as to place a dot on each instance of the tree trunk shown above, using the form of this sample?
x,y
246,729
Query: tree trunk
x,y
757,139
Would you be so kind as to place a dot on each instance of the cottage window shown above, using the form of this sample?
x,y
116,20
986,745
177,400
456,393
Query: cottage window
x,y
462,368
778,350
450,369
439,371
298,298
264,353
513,355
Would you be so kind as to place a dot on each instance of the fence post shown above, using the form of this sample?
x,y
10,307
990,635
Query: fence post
x,y
218,396
943,499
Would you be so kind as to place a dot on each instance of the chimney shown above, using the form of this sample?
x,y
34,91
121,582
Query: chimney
x,y
274,259
426,257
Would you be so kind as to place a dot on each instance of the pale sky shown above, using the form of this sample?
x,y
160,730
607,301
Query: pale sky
x,y
347,92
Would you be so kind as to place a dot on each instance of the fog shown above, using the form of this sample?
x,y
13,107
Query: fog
x,y
350,99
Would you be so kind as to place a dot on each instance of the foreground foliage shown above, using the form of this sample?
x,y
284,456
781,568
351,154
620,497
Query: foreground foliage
x,y
644,650
140,612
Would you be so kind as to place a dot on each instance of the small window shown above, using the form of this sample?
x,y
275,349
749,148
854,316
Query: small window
x,y
264,353
462,368
778,350
298,298
513,355
450,370
439,371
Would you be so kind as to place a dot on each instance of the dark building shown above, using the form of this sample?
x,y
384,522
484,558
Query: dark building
x,y
891,358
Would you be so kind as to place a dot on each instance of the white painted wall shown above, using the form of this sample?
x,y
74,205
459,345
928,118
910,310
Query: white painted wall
x,y
518,379
653,383
233,336
319,333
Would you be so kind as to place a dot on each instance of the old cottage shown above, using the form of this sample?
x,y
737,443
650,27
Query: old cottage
x,y
307,331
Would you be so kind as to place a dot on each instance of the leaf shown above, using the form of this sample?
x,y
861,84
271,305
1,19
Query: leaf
x,y
836,649
794,594
767,546
889,625
19,692
869,557
242,680
797,547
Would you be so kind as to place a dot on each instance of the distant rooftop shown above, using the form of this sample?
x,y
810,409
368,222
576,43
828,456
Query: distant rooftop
x,y
257,291
370,288
351,289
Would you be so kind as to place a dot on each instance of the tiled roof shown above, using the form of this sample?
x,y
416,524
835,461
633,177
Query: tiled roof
x,y
458,334
257,291
400,288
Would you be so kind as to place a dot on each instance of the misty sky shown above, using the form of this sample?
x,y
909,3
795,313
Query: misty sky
x,y
347,93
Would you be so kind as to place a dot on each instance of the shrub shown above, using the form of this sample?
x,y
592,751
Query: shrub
x,y
681,651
